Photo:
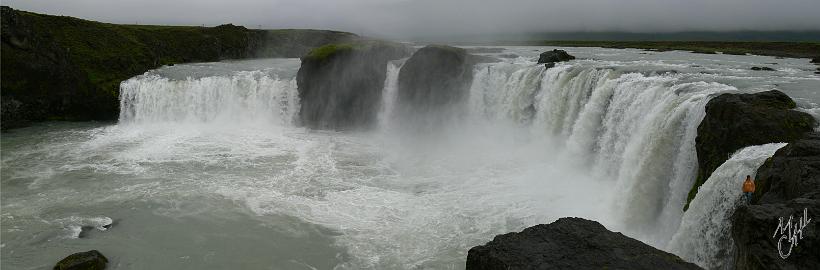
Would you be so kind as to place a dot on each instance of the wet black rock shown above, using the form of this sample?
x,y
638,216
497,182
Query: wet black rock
x,y
570,243
762,68
435,77
554,56
815,60
549,65
734,121
340,85
89,260
788,185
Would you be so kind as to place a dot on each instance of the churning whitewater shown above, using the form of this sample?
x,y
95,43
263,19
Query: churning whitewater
x,y
207,166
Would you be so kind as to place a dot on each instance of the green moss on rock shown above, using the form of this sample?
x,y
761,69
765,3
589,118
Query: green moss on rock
x,y
322,53
340,85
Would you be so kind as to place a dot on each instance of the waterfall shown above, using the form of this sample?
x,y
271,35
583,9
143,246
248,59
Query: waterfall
x,y
704,236
391,89
638,130
634,131
242,97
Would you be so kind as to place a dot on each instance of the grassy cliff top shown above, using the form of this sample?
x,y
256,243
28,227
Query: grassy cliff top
x,y
326,51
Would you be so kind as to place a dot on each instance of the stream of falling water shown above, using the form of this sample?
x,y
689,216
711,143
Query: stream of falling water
x,y
206,170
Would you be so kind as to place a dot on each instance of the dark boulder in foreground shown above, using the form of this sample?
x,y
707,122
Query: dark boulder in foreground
x,y
787,185
570,243
762,69
734,121
433,82
340,85
554,56
89,260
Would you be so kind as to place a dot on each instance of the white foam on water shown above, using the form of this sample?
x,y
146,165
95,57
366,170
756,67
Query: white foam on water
x,y
74,225
605,140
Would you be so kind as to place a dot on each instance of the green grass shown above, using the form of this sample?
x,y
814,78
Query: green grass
x,y
326,51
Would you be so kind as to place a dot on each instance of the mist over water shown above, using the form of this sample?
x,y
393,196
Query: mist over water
x,y
206,169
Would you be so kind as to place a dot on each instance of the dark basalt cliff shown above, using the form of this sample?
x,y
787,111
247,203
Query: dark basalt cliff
x,y
734,121
340,85
64,68
787,185
570,243
435,76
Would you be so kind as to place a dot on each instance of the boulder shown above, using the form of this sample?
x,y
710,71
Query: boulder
x,y
815,60
762,68
554,56
89,260
570,243
340,85
435,78
788,185
734,121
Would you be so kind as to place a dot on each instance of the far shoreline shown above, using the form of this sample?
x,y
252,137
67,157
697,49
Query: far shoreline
x,y
809,50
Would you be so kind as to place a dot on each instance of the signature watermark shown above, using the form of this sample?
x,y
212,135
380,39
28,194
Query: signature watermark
x,y
790,233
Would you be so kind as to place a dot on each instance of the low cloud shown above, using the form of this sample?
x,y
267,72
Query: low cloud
x,y
415,18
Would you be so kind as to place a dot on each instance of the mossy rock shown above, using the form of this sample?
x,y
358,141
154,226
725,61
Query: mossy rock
x,y
735,121
340,85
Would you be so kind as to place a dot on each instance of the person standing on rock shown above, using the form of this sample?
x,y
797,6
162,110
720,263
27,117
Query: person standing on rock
x,y
748,188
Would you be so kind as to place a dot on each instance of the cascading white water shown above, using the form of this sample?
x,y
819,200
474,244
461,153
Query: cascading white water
x,y
246,96
213,159
704,236
635,129
391,88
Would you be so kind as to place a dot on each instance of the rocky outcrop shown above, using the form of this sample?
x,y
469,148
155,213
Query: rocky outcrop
x,y
734,121
64,68
340,85
787,185
89,260
554,56
436,79
570,243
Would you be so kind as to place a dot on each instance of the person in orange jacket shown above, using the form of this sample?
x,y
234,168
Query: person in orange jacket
x,y
748,188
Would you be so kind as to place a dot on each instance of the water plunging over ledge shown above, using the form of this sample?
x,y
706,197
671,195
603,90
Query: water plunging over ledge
x,y
206,167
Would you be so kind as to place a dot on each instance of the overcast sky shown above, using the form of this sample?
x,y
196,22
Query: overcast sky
x,y
410,18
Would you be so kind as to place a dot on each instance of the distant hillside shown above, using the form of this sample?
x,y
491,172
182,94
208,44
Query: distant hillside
x,y
769,36
64,68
